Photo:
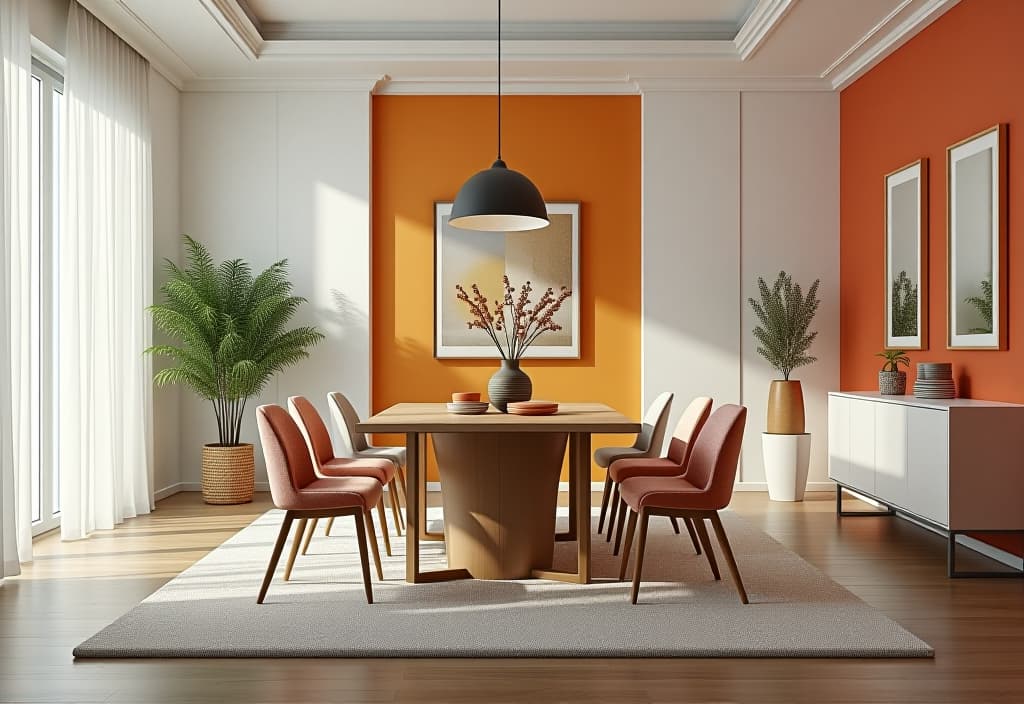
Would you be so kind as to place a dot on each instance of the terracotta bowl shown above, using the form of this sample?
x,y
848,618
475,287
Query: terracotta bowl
x,y
466,396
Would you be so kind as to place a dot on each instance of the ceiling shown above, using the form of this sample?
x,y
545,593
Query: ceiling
x,y
573,45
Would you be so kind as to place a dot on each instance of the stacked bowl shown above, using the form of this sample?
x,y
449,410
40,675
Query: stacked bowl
x,y
934,380
467,403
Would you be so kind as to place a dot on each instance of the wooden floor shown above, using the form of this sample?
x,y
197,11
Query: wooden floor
x,y
74,589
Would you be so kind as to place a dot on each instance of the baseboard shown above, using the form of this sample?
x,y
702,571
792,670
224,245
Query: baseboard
x,y
763,486
171,490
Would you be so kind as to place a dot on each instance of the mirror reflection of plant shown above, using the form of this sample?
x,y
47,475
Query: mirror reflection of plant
x,y
893,358
785,313
904,306
983,304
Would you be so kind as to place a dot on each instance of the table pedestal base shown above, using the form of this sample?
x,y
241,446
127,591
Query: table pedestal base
x,y
500,495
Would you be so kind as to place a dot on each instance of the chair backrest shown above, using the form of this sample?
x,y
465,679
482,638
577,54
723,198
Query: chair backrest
x,y
651,437
289,467
345,418
716,454
318,438
687,429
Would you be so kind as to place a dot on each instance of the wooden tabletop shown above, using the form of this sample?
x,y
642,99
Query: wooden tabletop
x,y
435,418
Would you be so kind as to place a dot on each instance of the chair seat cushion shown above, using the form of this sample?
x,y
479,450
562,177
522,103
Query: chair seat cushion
x,y
621,470
393,454
340,492
606,455
381,470
665,492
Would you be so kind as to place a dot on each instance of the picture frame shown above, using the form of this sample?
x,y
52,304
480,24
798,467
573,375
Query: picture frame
x,y
976,241
547,257
906,257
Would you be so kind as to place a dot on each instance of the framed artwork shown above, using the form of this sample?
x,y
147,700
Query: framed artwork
x,y
976,248
906,257
548,257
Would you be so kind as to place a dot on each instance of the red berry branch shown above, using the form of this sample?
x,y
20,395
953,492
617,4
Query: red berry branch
x,y
515,317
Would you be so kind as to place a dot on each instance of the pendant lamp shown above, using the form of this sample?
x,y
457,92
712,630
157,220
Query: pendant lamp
x,y
499,199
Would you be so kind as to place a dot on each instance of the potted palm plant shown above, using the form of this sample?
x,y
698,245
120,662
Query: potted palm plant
x,y
891,381
231,340
784,314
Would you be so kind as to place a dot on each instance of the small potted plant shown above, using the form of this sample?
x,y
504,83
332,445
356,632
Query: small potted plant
x,y
891,381
232,340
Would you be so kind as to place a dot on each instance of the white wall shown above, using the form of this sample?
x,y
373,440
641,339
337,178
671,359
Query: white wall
x,y
272,175
48,20
165,113
737,185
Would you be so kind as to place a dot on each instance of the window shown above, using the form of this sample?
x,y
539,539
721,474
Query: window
x,y
47,106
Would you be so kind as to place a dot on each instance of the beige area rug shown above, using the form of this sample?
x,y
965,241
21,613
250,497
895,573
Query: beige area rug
x,y
210,609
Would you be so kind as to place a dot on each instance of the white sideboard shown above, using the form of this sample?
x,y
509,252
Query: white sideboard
x,y
957,464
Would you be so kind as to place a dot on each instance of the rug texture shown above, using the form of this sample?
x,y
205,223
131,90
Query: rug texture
x,y
210,609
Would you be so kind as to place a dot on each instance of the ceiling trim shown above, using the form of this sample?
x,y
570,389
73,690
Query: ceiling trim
x,y
511,31
235,22
654,84
864,55
761,22
131,28
359,84
449,85
483,50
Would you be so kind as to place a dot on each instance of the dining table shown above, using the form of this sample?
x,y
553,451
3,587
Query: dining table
x,y
500,475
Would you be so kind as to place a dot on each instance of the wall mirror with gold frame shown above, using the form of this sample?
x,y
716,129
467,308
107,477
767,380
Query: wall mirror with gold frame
x,y
906,257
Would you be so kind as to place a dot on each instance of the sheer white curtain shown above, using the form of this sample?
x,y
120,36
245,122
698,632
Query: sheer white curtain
x,y
105,265
15,225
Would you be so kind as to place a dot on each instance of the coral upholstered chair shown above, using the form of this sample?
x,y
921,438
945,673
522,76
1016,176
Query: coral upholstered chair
x,y
674,465
648,444
321,451
296,488
706,489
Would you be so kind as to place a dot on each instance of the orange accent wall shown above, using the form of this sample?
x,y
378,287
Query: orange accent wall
x,y
960,75
584,148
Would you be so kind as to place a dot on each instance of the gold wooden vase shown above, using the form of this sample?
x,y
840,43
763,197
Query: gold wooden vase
x,y
786,408
228,473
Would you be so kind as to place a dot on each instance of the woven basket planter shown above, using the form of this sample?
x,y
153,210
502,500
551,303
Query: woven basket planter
x,y
228,473
892,383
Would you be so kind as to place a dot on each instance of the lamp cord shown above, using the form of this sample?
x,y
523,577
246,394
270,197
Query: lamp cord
x,y
499,80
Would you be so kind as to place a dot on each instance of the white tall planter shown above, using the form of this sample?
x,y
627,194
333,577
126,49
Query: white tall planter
x,y
786,460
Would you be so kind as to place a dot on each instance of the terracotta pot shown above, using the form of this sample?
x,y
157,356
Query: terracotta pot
x,y
786,408
228,473
510,383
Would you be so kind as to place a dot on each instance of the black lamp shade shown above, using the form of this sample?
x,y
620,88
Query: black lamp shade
x,y
499,200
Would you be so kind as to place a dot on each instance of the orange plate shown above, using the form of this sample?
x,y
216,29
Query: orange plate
x,y
466,396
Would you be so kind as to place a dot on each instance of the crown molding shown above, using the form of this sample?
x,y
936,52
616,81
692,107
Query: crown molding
x,y
483,50
131,28
761,22
357,84
236,23
864,55
454,85
658,84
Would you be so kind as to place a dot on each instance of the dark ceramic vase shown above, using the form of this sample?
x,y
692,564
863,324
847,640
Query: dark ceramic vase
x,y
508,385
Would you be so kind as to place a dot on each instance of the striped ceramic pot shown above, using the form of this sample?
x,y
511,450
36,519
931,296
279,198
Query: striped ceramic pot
x,y
892,383
508,385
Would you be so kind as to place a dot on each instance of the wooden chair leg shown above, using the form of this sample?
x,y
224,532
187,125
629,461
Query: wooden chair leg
x,y
615,507
641,544
604,502
730,560
363,561
702,532
693,534
675,524
309,535
282,538
630,527
618,525
295,548
384,525
396,514
372,540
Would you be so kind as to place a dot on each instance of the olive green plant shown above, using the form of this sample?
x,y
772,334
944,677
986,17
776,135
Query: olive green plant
x,y
785,314
230,330
904,306
983,304
893,359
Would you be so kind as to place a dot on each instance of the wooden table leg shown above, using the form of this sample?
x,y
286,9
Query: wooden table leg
x,y
579,476
415,508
